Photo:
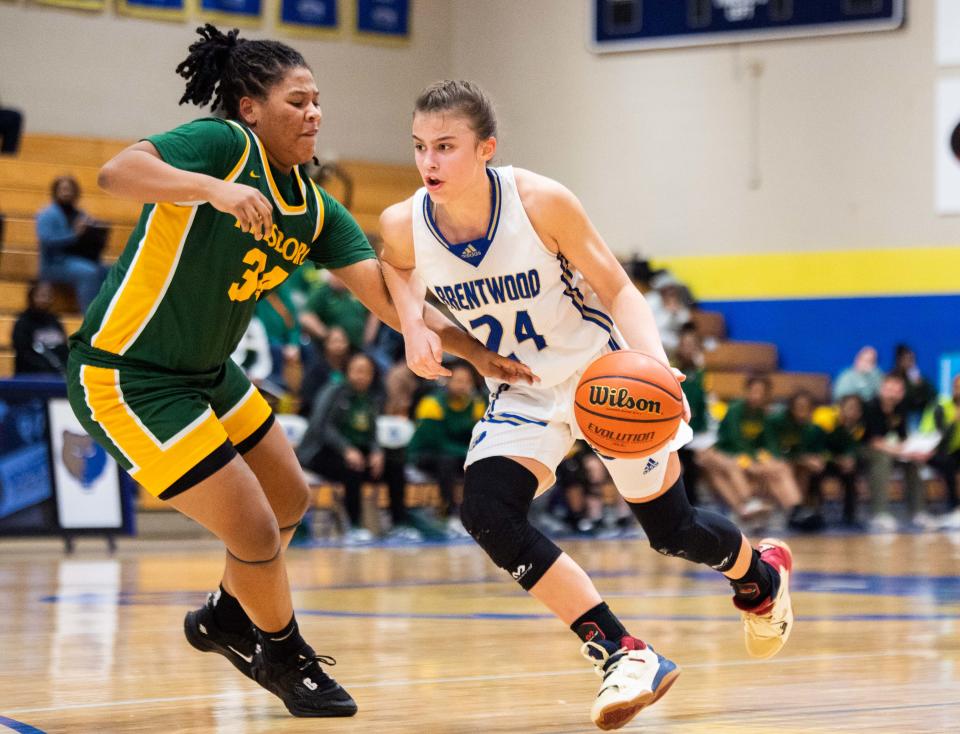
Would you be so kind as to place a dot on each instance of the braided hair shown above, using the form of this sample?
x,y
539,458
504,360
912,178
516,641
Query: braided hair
x,y
225,68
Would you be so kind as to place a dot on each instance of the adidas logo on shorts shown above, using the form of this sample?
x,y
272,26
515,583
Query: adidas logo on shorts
x,y
651,465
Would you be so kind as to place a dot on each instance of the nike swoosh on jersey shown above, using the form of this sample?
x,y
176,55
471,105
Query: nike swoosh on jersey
x,y
254,174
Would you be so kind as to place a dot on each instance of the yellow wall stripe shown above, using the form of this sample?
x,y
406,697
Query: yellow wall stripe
x,y
146,281
834,274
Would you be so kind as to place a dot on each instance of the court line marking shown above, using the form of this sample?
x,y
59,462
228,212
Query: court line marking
x,y
469,679
19,726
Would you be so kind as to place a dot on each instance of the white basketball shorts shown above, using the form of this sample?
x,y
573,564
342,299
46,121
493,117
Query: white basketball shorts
x,y
538,423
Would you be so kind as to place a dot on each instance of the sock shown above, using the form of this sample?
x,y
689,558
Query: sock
x,y
758,583
284,644
228,614
599,623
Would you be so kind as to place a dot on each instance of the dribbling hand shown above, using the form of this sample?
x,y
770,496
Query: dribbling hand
x,y
252,209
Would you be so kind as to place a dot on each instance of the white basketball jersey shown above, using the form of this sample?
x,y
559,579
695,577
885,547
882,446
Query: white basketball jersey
x,y
509,290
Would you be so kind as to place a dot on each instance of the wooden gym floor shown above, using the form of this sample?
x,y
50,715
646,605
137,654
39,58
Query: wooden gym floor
x,y
434,640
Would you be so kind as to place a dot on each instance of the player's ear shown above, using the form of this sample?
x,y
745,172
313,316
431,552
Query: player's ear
x,y
488,148
249,112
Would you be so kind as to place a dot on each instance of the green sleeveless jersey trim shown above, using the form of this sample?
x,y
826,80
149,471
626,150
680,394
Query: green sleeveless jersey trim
x,y
185,287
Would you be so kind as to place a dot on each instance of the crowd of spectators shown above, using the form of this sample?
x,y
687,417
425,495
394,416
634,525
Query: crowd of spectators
x,y
315,351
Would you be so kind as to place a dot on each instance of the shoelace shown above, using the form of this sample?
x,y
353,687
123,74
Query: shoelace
x,y
600,663
310,660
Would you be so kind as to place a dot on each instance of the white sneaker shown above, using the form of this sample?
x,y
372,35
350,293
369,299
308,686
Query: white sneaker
x,y
357,536
883,522
950,521
767,626
634,677
925,521
455,528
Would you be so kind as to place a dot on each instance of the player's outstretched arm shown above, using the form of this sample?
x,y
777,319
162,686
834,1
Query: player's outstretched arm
x,y
140,174
365,280
422,346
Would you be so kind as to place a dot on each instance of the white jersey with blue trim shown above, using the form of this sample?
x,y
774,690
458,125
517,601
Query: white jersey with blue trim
x,y
509,291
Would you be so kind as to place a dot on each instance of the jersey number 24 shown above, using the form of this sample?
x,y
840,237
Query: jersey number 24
x,y
523,330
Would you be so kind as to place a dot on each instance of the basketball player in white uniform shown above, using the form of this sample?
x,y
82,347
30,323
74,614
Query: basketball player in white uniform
x,y
519,264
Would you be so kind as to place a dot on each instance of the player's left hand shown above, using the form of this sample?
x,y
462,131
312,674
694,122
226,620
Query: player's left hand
x,y
686,406
491,364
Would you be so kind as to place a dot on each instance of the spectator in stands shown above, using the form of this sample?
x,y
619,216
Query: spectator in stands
x,y
862,379
843,457
445,421
945,419
70,243
278,314
332,304
669,310
885,419
39,340
253,355
919,392
800,442
394,430
689,360
579,503
745,459
341,442
329,366
11,123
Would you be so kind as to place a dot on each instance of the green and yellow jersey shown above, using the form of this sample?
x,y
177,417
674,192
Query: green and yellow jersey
x,y
185,288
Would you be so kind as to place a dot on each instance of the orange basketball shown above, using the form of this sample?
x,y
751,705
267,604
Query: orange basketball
x,y
628,404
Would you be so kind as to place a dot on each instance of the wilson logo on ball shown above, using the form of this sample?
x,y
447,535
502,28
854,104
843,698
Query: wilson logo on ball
x,y
621,398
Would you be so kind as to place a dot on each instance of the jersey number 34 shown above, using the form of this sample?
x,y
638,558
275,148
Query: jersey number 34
x,y
254,281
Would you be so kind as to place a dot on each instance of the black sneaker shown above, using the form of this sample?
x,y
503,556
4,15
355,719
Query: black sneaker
x,y
302,686
202,632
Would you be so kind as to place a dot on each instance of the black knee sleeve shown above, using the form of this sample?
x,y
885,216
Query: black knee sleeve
x,y
676,528
497,493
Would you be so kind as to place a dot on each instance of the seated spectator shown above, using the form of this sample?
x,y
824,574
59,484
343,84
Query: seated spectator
x,y
689,360
341,439
11,123
862,379
39,340
744,460
394,431
332,304
885,420
919,392
278,314
670,312
445,421
329,366
71,243
253,356
944,418
799,441
843,457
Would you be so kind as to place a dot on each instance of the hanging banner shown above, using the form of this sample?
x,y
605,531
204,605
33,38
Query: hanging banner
x,y
308,17
241,12
384,18
153,9
76,4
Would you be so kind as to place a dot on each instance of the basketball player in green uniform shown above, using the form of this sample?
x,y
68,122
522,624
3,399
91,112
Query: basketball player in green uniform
x,y
228,214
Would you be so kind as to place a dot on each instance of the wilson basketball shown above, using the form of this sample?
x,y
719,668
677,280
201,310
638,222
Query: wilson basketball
x,y
628,404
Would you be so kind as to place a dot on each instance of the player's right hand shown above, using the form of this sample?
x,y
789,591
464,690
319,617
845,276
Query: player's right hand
x,y
253,211
424,353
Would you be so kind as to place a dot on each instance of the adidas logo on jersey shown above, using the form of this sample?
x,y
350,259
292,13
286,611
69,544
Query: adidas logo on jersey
x,y
651,465
470,251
